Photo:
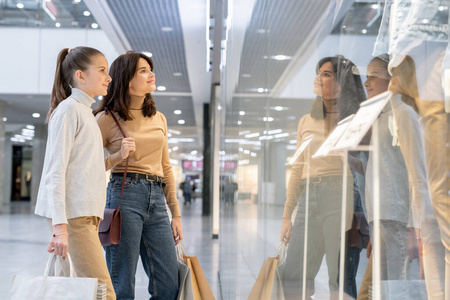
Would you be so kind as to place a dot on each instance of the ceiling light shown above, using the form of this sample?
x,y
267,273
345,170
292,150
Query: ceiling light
x,y
175,148
261,31
246,75
267,119
281,135
242,113
442,8
181,140
169,134
166,29
149,54
36,115
5,119
219,107
275,131
177,112
170,150
57,24
161,88
194,152
251,135
364,31
174,131
177,74
279,108
77,1
181,122
239,122
100,97
425,21
374,6
280,57
86,13
260,90
253,154
293,142
94,25
20,5
246,151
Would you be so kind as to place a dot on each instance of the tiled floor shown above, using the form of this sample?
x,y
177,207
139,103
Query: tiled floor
x,y
248,235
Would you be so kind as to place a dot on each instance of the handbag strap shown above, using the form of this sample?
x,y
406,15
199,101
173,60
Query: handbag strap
x,y
50,268
126,161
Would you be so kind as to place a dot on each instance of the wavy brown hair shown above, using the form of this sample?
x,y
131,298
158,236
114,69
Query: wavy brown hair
x,y
67,64
352,90
118,99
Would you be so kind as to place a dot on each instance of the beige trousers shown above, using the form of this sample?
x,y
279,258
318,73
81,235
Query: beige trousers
x,y
86,251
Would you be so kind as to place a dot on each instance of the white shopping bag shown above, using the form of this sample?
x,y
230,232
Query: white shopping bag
x,y
50,287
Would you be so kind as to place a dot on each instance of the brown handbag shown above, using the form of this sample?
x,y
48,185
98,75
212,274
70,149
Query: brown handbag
x,y
110,227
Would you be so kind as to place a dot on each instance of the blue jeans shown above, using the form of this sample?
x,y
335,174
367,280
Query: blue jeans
x,y
146,231
324,235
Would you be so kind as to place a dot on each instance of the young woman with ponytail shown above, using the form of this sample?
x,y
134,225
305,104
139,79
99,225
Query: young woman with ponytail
x,y
71,193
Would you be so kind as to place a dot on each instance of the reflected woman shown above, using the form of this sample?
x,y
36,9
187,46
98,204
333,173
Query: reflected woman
x,y
339,93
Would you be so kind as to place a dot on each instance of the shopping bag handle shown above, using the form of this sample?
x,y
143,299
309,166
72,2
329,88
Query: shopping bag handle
x,y
181,250
51,265
281,253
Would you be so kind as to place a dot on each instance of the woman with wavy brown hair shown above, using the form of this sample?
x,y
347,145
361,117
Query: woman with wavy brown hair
x,y
146,229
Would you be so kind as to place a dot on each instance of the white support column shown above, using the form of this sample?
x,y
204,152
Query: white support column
x,y
2,148
39,143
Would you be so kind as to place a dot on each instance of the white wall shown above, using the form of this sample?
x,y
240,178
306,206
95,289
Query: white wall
x,y
28,55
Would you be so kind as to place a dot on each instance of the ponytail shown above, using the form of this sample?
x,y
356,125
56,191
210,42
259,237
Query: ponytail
x,y
68,62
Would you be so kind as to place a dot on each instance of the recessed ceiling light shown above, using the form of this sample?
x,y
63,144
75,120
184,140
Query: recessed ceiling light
x,y
177,112
149,54
364,31
260,90
94,25
219,107
374,6
425,21
194,152
20,5
30,127
177,74
267,119
100,97
36,115
161,88
77,1
166,29
5,119
253,154
86,13
239,122
57,24
442,8
181,122
242,113
279,108
246,75
175,148
280,57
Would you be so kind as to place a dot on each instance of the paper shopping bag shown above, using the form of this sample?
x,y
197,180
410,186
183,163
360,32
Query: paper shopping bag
x,y
197,283
50,287
185,291
268,284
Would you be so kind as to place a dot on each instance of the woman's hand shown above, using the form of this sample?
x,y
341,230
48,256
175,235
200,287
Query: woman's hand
x,y
286,228
369,248
177,230
128,147
59,244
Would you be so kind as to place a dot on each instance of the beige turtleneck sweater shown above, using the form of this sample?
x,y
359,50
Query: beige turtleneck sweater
x,y
152,153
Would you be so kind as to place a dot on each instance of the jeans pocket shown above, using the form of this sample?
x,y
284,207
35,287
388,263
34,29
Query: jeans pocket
x,y
117,182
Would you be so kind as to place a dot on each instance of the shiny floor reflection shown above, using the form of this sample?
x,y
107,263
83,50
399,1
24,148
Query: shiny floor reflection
x,y
24,239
